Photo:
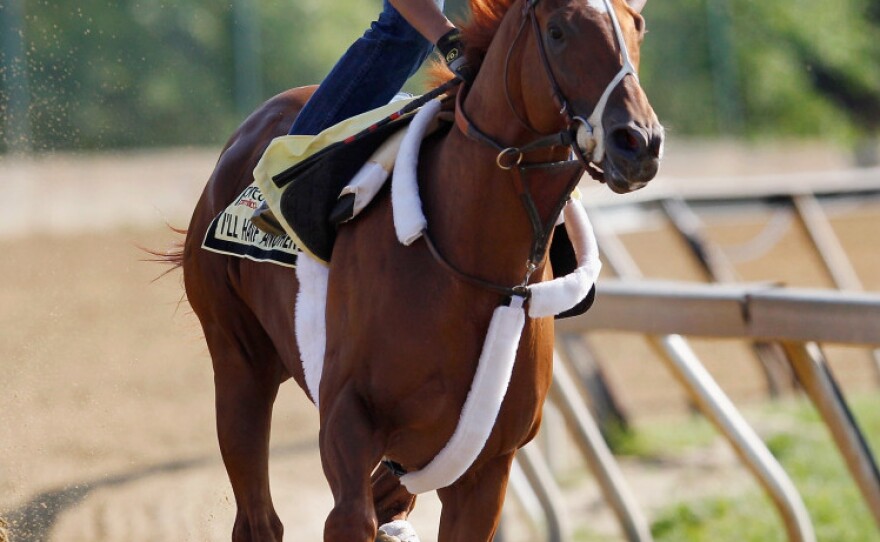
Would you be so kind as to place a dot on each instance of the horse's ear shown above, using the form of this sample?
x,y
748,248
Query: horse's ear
x,y
637,4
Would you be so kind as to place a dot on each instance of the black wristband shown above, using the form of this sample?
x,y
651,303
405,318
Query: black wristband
x,y
451,46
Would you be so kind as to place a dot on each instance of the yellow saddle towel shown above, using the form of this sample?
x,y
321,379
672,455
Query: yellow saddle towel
x,y
285,152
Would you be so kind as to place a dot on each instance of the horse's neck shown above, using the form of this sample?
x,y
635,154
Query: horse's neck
x,y
475,213
474,208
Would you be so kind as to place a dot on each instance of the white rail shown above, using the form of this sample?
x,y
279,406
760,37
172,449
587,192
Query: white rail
x,y
757,311
798,319
765,313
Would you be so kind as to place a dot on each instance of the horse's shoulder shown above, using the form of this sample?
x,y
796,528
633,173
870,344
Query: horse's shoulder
x,y
272,119
277,113
290,99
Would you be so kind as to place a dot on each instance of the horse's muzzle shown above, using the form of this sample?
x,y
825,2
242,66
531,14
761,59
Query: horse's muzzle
x,y
632,155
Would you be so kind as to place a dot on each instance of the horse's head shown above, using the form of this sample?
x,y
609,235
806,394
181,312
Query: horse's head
x,y
571,64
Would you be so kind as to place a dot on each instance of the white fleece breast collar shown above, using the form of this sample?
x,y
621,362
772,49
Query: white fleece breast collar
x,y
496,361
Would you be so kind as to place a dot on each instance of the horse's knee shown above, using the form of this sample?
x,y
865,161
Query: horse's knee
x,y
350,449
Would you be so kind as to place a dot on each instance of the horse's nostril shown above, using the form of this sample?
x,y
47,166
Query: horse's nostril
x,y
626,139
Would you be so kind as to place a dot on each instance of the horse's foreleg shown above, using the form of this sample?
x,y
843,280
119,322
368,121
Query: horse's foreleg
x,y
245,393
350,450
472,505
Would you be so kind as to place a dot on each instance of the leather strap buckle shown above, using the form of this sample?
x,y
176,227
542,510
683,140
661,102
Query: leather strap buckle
x,y
509,158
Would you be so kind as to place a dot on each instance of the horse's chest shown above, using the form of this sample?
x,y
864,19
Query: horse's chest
x,y
422,408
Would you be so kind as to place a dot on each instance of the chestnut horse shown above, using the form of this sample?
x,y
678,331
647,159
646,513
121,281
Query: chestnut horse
x,y
404,333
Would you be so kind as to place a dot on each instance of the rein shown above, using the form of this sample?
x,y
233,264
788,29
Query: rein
x,y
579,129
506,291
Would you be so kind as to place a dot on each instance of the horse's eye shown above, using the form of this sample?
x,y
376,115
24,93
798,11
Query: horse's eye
x,y
555,33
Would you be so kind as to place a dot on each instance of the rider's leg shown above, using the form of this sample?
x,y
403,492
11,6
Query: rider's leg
x,y
368,75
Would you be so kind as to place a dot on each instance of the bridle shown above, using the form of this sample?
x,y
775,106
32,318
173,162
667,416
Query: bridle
x,y
584,135
593,136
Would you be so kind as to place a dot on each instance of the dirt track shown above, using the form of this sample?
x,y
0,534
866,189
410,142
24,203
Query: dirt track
x,y
107,405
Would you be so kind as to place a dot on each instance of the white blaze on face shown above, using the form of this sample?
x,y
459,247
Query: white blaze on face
x,y
598,5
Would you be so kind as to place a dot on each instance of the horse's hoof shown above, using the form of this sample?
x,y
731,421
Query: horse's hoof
x,y
386,538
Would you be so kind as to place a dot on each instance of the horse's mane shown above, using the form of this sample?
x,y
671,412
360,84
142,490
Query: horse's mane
x,y
477,32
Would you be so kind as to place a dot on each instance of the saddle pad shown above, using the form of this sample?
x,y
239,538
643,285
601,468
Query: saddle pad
x,y
232,233
280,159
312,187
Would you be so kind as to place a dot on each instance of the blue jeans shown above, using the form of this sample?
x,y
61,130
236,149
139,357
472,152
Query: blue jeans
x,y
368,75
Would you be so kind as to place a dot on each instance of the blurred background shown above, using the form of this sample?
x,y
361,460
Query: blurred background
x,y
99,76
112,115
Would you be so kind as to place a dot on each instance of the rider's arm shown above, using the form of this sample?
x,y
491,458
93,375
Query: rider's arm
x,y
424,16
428,19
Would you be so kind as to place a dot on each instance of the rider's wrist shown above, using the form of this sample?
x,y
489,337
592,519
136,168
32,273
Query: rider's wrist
x,y
451,47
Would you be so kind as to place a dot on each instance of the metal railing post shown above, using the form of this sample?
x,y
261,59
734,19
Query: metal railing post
x,y
718,408
719,269
597,392
812,218
565,396
816,378
534,466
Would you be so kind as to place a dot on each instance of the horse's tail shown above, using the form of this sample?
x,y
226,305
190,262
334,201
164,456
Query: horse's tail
x,y
172,256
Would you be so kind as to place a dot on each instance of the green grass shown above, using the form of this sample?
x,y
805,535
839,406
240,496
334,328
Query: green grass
x,y
661,439
808,455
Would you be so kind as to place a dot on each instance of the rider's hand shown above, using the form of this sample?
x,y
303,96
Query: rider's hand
x,y
451,47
